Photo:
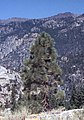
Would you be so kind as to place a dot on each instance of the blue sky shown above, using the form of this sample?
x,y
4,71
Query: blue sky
x,y
38,8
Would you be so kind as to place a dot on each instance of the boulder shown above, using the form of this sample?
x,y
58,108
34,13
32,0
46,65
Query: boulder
x,y
9,81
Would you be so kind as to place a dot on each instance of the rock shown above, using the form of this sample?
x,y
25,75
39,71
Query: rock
x,y
75,114
8,80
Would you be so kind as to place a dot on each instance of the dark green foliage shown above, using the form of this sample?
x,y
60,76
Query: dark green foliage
x,y
13,98
41,74
77,97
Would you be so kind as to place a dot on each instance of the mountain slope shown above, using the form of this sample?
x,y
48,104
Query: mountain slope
x,y
17,35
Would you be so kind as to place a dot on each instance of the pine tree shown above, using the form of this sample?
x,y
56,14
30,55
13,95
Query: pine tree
x,y
41,74
77,96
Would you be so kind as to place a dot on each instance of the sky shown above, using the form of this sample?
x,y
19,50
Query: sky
x,y
38,8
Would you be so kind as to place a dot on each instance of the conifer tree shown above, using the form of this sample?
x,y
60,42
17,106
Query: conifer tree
x,y
77,97
41,74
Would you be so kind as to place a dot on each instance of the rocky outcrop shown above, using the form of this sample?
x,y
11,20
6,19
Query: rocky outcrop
x,y
9,81
77,114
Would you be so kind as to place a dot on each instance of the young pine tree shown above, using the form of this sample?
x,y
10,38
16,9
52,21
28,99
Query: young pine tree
x,y
41,74
77,97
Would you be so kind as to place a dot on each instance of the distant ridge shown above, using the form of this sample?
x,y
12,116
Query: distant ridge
x,y
60,15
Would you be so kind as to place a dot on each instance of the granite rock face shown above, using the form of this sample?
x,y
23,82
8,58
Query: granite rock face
x,y
9,80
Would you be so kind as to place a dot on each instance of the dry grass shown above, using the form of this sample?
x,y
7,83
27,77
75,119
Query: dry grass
x,y
24,114
18,115
76,114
